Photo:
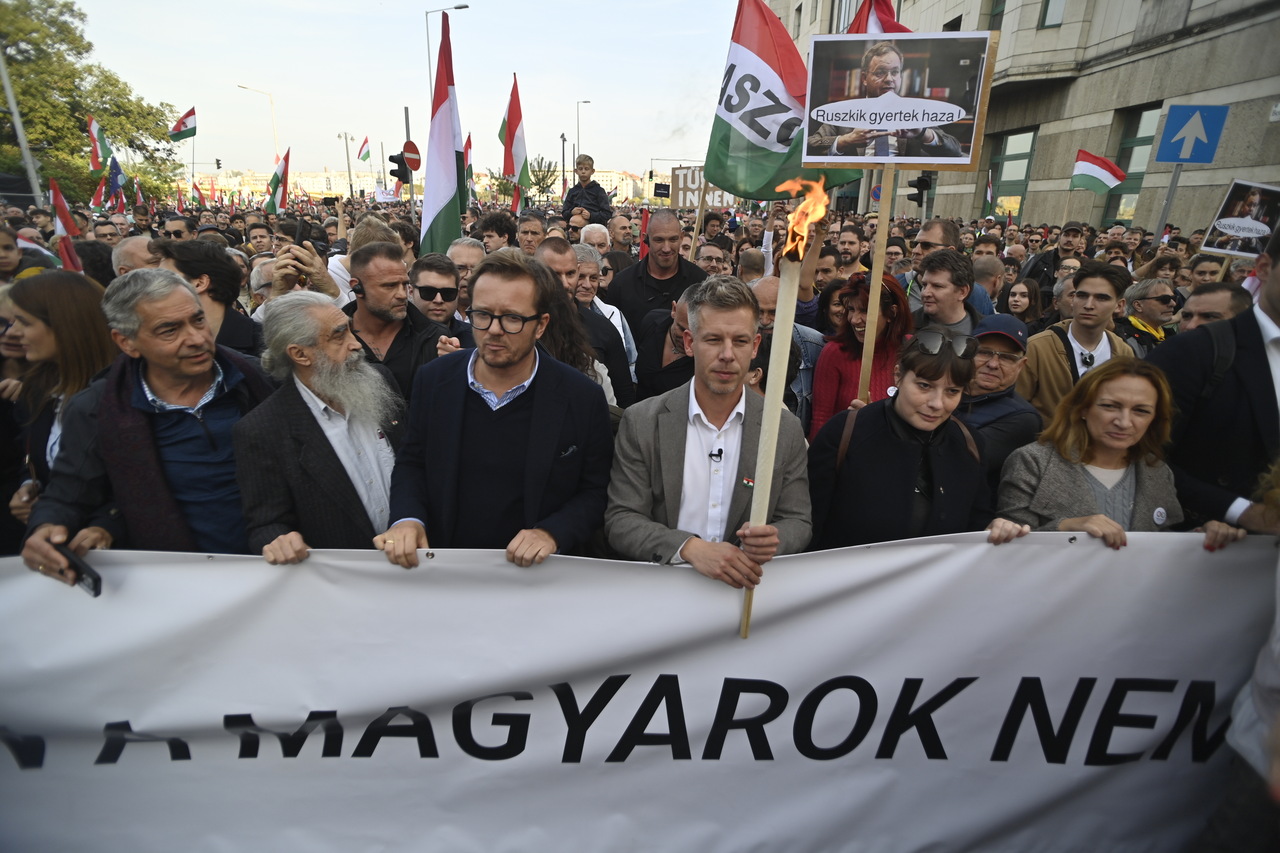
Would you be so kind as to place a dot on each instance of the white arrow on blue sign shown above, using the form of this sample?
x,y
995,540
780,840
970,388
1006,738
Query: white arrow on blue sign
x,y
1191,134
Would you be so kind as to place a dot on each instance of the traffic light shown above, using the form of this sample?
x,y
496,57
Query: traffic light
x,y
401,172
217,162
921,186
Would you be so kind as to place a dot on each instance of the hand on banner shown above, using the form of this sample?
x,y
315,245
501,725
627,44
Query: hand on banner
x,y
23,499
446,345
530,546
1099,527
722,562
401,543
40,556
759,543
286,549
1002,530
1219,535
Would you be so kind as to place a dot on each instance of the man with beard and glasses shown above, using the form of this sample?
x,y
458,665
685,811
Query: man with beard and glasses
x,y
314,461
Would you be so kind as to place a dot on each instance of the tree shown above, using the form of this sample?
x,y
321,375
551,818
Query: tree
x,y
542,174
500,186
56,89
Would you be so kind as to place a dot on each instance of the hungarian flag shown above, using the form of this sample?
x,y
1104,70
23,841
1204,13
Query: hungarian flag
x,y
195,186
186,126
178,205
988,207
750,154
100,194
137,190
876,16
444,193
278,188
120,206
364,150
515,158
1095,173
99,148
467,171
64,227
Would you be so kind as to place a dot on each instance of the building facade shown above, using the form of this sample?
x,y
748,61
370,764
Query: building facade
x,y
1098,75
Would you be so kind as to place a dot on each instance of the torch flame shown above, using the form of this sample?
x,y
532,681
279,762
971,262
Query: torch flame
x,y
812,209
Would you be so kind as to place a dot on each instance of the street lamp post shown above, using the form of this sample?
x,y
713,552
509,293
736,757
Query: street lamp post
x,y
563,183
577,144
431,83
275,135
346,142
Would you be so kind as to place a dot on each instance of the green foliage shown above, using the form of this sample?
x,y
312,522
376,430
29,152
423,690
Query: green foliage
x,y
45,48
500,187
544,175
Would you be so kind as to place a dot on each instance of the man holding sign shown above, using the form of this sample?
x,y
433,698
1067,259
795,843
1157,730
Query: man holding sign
x,y
881,75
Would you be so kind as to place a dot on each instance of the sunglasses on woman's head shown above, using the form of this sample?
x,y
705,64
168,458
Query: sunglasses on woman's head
x,y
931,343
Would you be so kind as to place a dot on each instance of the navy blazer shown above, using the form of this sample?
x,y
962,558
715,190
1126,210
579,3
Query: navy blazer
x,y
1220,446
570,453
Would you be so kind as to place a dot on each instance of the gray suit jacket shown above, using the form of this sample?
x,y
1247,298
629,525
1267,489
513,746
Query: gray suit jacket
x,y
1040,488
648,472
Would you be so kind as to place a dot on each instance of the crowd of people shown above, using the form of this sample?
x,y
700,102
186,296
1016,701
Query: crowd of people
x,y
585,379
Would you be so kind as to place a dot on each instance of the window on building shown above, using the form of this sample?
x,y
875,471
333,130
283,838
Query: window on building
x,y
1135,152
844,15
953,25
1051,13
798,19
1010,171
996,16
813,11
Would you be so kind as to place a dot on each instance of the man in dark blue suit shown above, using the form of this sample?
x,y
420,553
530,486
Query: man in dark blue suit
x,y
506,447
1226,430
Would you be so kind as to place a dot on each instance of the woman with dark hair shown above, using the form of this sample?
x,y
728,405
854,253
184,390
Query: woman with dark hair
x,y
908,469
13,364
59,321
566,341
831,317
1098,467
1020,299
95,258
835,378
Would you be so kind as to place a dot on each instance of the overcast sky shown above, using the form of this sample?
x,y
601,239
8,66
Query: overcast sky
x,y
651,70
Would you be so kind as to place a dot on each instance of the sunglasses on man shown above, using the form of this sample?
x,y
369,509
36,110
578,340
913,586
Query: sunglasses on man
x,y
427,293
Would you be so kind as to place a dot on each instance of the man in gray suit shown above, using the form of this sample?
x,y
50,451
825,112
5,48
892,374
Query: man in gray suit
x,y
684,462
314,460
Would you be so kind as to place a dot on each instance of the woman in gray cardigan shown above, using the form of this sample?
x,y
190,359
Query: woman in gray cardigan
x,y
1098,468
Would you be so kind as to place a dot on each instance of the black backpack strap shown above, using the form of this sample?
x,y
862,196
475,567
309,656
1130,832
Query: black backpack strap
x,y
1223,335
1069,350
968,440
845,435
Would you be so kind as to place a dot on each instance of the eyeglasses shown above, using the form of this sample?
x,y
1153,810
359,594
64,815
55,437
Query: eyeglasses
x,y
885,73
605,270
925,244
176,234
512,324
1007,359
427,293
894,256
931,343
1164,299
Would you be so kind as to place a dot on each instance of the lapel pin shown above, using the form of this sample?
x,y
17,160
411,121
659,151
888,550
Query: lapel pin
x,y
748,482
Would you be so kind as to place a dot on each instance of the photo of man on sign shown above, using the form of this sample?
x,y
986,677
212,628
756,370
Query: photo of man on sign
x,y
910,100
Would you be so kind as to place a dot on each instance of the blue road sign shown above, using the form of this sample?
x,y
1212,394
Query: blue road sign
x,y
1191,134
875,193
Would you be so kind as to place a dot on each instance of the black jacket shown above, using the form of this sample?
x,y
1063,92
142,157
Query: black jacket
x,y
1005,422
611,352
635,292
593,198
423,335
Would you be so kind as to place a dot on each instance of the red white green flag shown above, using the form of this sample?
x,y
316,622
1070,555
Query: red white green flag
x,y
185,128
515,157
278,188
99,195
1095,173
64,227
99,148
750,154
364,152
876,16
195,187
444,192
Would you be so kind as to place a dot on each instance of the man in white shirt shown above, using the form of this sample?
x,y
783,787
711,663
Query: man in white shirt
x,y
314,461
684,462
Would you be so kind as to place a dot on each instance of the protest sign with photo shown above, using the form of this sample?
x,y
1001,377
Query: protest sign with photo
x,y
1245,220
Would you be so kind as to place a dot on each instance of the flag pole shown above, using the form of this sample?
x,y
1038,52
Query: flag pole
x,y
887,189
1066,205
697,222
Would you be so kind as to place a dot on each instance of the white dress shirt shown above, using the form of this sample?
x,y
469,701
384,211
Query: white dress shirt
x,y
710,470
364,451
1100,354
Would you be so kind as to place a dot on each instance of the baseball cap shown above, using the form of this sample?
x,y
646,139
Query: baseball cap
x,y
1003,324
1074,226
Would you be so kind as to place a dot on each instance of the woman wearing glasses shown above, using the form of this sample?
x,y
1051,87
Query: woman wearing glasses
x,y
903,467
1098,468
835,378
58,321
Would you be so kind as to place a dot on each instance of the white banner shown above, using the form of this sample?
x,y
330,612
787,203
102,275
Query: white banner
x,y
940,694
383,196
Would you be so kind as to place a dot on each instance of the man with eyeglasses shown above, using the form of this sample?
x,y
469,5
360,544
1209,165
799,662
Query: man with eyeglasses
x,y
990,406
178,228
1149,309
466,253
434,289
504,448
881,74
393,332
711,259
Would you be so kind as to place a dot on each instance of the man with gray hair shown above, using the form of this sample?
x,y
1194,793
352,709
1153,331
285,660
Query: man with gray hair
x,y
132,253
685,461
596,236
314,461
146,458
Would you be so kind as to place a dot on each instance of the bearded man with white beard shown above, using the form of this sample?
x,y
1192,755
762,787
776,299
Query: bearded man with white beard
x,y
314,463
